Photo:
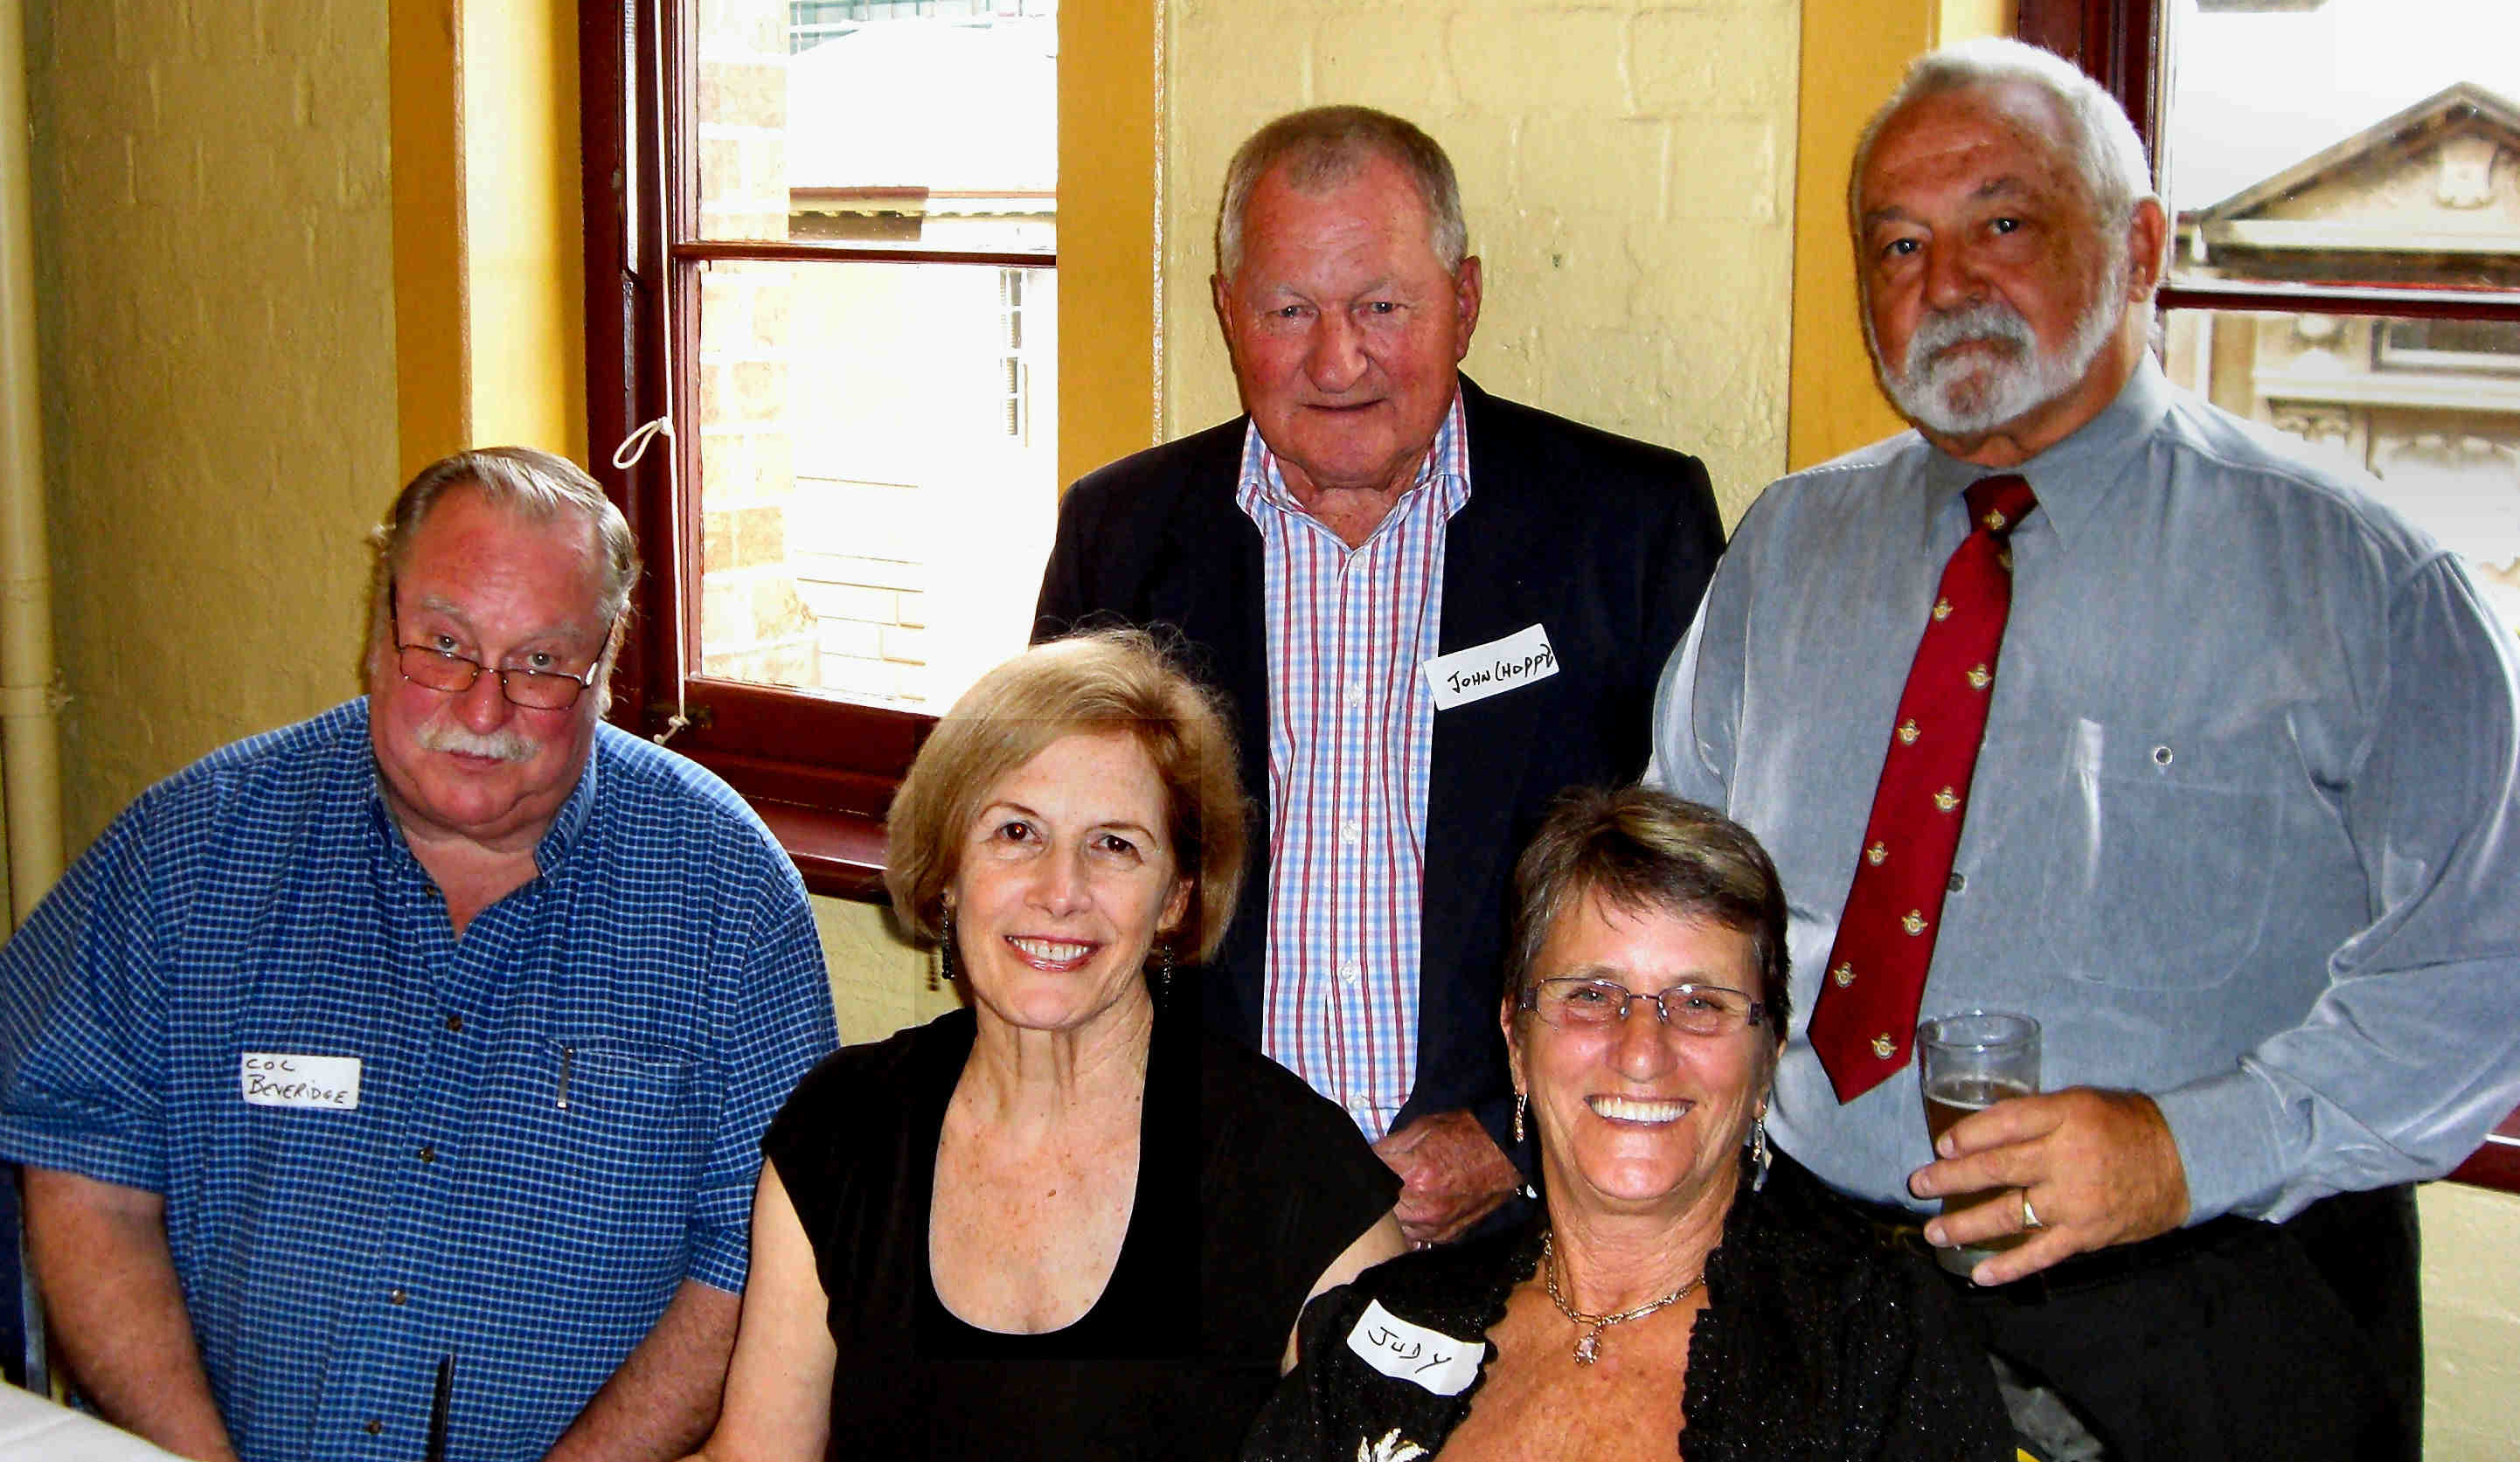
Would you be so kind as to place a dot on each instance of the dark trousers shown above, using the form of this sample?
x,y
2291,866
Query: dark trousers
x,y
2234,1338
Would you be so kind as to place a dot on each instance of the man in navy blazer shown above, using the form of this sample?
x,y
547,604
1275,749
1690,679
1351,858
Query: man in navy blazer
x,y
1413,752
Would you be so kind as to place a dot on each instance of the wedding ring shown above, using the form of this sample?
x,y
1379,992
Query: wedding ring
x,y
2028,1215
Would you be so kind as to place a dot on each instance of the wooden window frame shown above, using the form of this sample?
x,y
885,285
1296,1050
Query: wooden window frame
x,y
820,771
2118,43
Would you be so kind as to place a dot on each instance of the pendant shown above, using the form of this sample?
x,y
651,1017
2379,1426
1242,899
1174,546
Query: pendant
x,y
1589,1348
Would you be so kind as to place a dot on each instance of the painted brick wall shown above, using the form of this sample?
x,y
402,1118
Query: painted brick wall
x,y
215,262
1628,173
2471,1324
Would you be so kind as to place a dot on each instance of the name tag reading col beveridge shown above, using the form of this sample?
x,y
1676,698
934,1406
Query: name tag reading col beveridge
x,y
1411,1353
1491,669
322,1084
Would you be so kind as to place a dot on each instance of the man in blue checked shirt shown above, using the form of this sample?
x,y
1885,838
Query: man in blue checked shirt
x,y
444,1024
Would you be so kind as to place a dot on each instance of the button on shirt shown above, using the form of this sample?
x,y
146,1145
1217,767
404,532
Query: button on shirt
x,y
557,1117
1351,733
2245,826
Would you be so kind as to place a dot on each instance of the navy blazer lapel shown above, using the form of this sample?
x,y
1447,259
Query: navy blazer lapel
x,y
1493,550
1215,552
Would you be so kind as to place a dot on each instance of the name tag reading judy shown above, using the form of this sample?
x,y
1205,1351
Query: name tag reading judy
x,y
1491,669
1411,1353
322,1084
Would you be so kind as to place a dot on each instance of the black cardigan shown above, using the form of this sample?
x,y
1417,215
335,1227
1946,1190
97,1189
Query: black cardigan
x,y
1819,1341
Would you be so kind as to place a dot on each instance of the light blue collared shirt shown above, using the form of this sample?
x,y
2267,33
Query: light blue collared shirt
x,y
2245,826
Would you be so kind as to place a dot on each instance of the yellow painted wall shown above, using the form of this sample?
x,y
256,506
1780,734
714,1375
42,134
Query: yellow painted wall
x,y
433,394
1109,163
214,257
2471,1324
1628,174
524,254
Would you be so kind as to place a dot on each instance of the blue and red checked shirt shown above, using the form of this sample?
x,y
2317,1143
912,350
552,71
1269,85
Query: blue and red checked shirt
x,y
557,1116
1351,731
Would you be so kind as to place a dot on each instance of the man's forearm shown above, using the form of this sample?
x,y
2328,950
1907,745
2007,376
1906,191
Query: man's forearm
x,y
117,1311
665,1399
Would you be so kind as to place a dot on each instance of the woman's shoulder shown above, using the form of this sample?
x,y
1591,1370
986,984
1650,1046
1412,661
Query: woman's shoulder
x,y
881,1074
1259,1123
1460,1287
1796,1224
1238,1083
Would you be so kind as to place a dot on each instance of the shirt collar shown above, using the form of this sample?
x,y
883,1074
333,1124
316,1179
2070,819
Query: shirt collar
x,y
1446,465
2076,476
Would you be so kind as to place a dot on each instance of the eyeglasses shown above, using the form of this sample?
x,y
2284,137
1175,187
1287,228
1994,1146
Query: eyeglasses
x,y
1572,1003
436,669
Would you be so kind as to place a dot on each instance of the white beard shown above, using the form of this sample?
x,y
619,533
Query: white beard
x,y
1974,392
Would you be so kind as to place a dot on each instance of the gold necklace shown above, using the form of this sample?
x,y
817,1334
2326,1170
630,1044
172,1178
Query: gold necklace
x,y
1589,1348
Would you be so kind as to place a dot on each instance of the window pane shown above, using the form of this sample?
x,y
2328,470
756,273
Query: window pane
x,y
877,473
2438,427
875,124
2344,141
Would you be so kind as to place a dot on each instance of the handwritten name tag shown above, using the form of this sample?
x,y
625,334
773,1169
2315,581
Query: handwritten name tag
x,y
1491,669
1415,1353
325,1084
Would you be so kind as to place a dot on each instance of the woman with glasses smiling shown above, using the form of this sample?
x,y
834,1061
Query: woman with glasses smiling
x,y
1685,1288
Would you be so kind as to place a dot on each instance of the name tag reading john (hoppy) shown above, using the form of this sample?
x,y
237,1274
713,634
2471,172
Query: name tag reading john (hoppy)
x,y
322,1084
1407,1351
1491,669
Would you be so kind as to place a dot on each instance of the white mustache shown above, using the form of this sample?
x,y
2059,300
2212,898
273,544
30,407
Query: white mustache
x,y
505,744
1986,320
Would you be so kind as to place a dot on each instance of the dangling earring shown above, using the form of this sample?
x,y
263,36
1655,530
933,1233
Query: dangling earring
x,y
1758,1152
1521,1103
946,963
1163,970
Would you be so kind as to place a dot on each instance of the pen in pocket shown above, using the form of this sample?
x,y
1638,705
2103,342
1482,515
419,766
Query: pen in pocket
x,y
566,1053
439,1403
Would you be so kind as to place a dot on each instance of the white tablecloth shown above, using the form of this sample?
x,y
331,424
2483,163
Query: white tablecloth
x,y
34,1430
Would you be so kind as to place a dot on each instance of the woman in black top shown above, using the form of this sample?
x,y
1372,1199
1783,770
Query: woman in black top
x,y
1678,1298
1060,1222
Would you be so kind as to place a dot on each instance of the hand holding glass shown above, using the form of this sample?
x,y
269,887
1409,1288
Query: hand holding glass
x,y
1968,1062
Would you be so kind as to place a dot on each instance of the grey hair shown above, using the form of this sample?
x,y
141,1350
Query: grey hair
x,y
2101,144
1647,851
536,485
1323,147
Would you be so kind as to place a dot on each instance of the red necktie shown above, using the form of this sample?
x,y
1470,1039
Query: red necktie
x,y
1864,1022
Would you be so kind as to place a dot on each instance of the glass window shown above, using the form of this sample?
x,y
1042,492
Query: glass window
x,y
2343,178
2342,143
871,243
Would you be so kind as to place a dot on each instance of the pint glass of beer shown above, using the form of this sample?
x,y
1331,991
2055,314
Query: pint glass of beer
x,y
1968,1062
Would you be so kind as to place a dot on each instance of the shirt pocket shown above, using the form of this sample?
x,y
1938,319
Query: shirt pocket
x,y
614,1083
2159,858
635,1136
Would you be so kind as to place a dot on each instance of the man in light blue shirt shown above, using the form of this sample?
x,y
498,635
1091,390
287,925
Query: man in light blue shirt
x,y
420,1050
2243,831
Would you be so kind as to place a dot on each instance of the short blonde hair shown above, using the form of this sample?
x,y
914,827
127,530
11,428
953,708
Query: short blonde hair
x,y
1103,683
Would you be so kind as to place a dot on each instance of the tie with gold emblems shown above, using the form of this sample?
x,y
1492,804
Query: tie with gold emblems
x,y
1864,1022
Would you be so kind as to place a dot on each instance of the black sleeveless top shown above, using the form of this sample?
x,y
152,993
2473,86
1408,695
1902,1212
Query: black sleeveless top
x,y
1248,1185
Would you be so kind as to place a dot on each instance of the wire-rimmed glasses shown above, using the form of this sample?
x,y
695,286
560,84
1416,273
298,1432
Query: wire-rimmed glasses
x,y
1577,1002
436,670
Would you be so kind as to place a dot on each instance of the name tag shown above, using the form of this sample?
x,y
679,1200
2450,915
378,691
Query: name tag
x,y
1491,669
325,1084
1415,1353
